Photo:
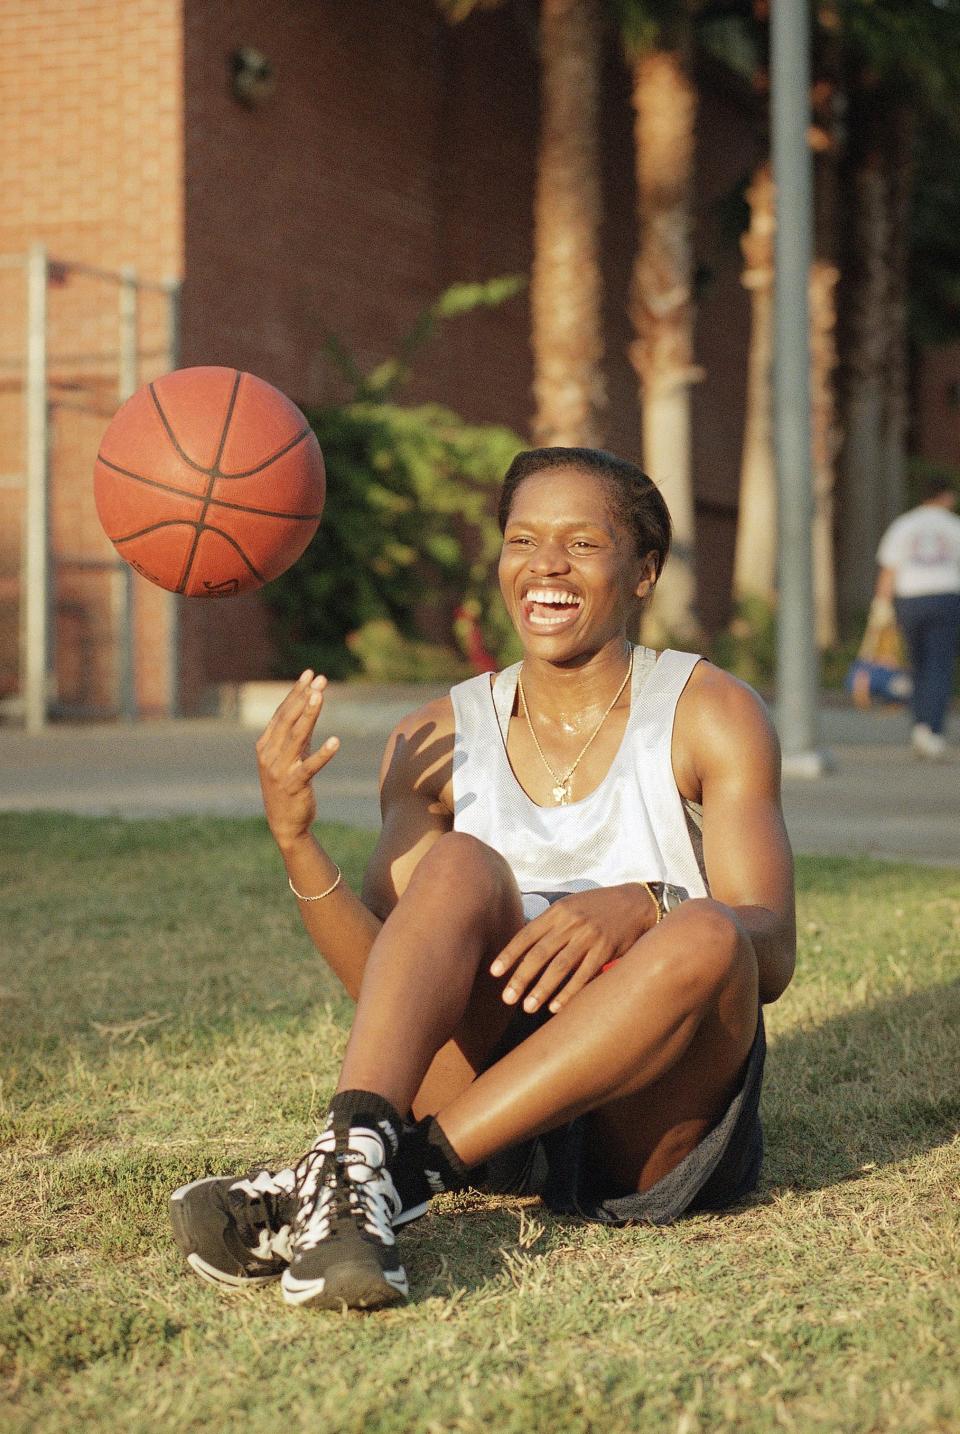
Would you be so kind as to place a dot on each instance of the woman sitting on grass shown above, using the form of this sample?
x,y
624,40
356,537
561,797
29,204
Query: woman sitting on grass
x,y
581,895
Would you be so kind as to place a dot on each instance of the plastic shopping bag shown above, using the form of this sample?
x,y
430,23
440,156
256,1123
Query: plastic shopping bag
x,y
879,672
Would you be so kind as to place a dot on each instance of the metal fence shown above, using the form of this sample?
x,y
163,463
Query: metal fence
x,y
75,342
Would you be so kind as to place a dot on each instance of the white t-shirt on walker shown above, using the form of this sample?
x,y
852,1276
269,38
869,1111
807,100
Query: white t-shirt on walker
x,y
923,549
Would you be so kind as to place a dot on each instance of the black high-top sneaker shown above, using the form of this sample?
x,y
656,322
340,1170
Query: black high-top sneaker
x,y
235,1231
343,1249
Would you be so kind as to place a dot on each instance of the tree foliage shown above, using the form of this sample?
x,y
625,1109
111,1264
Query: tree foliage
x,y
408,545
935,250
407,538
913,45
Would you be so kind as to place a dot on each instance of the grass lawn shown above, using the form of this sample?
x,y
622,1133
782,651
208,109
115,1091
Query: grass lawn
x,y
165,1016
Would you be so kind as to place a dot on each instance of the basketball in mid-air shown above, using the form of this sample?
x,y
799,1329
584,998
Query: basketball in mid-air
x,y
209,482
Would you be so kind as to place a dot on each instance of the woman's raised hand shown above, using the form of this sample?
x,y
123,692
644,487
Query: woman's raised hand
x,y
286,765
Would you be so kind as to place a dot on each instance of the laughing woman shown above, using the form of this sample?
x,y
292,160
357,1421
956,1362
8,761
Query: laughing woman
x,y
580,899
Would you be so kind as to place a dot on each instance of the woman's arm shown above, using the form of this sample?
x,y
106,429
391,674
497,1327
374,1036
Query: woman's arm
x,y
724,731
341,925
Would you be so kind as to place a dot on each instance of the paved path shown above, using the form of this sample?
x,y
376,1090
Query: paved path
x,y
879,799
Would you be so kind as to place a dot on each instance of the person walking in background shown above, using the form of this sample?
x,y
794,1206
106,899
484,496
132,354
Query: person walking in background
x,y
919,558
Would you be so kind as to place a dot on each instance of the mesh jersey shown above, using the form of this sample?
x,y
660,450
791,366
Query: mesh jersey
x,y
633,827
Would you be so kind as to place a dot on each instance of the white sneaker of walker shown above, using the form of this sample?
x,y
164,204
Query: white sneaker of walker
x,y
927,743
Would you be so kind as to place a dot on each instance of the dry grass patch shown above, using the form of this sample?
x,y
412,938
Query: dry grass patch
x,y
164,1016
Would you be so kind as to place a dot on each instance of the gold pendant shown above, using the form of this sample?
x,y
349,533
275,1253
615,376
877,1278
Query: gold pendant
x,y
561,793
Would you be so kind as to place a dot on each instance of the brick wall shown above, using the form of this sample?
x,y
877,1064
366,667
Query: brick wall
x,y
395,155
311,213
90,166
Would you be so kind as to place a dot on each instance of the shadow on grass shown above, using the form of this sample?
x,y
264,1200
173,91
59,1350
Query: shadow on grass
x,y
865,1089
869,1087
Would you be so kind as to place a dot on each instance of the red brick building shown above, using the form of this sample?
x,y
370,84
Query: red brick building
x,y
394,155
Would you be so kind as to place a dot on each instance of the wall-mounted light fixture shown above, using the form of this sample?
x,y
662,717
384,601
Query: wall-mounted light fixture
x,y
251,76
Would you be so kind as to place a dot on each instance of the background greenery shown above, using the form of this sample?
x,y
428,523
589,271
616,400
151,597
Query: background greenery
x,y
164,1016
408,538
403,568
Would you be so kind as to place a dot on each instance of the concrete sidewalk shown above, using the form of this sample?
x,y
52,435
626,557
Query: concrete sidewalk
x,y
879,800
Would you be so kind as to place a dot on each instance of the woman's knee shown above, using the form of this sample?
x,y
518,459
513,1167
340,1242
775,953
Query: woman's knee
x,y
713,956
469,870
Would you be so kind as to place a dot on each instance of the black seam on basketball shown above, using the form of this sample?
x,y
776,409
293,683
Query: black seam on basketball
x,y
199,468
208,528
211,484
226,422
198,497
199,530
152,528
280,453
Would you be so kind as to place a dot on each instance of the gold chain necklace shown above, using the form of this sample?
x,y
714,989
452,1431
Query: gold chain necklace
x,y
561,785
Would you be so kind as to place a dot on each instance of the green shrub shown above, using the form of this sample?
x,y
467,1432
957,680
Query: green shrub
x,y
385,655
748,647
403,568
408,537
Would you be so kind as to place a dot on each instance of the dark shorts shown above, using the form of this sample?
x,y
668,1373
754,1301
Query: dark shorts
x,y
719,1172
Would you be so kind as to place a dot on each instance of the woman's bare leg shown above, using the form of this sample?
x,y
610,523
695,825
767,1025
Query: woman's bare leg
x,y
654,1048
429,1012
658,1041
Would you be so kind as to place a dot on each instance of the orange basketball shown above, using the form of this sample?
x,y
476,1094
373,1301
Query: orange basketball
x,y
209,482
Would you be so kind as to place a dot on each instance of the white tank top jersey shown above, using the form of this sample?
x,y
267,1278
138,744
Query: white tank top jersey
x,y
634,827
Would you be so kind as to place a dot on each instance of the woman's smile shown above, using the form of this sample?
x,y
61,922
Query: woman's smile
x,y
548,609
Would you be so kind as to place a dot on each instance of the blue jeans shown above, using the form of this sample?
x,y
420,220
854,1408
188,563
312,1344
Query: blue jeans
x,y
931,630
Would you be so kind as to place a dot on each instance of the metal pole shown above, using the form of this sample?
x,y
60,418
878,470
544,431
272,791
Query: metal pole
x,y
127,385
36,597
797,667
174,289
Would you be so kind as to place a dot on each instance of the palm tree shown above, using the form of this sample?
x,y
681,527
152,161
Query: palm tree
x,y
658,41
565,290
903,61
755,562
755,554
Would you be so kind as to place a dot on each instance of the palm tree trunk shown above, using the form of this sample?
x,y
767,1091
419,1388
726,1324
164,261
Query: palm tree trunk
x,y
566,284
755,555
866,354
825,444
827,142
900,162
662,312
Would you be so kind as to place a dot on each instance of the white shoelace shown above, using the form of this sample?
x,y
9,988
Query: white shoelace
x,y
370,1190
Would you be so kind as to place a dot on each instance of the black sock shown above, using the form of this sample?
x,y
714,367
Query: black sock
x,y
365,1107
441,1164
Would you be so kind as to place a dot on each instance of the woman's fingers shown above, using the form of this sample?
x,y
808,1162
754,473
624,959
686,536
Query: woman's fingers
x,y
315,763
524,941
301,728
565,967
589,967
291,726
294,698
548,951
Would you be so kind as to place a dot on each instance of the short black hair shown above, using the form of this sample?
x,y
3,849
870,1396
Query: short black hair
x,y
635,499
934,485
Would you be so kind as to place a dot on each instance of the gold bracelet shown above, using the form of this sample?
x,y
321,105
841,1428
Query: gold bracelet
x,y
649,890
300,897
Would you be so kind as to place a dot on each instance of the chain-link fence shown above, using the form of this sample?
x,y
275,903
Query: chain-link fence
x,y
75,341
